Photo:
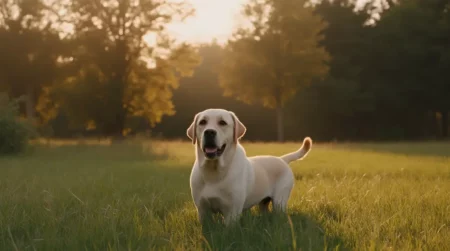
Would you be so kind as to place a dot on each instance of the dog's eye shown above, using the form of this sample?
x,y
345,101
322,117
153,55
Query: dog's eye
x,y
202,122
222,123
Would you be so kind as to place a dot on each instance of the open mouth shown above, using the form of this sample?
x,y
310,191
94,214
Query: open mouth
x,y
213,151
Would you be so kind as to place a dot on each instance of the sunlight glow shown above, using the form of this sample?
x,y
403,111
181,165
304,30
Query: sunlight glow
x,y
213,19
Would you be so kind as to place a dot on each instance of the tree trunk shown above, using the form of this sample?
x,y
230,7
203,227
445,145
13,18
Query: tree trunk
x,y
280,124
118,91
117,125
29,104
444,124
117,135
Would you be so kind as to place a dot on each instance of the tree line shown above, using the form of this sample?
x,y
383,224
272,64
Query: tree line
x,y
328,69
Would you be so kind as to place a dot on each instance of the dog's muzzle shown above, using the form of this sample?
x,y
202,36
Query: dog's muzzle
x,y
210,148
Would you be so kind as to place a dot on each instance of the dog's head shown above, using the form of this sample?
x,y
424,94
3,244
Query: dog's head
x,y
215,131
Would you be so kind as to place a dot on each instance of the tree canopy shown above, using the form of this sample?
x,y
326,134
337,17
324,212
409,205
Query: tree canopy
x,y
329,69
29,47
113,74
270,61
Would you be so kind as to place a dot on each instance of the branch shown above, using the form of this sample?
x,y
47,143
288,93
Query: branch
x,y
60,18
4,11
105,16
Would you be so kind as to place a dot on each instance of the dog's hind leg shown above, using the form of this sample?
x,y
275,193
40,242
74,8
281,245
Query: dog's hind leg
x,y
264,205
282,193
279,204
280,200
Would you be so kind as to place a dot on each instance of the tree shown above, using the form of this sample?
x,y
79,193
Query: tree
x,y
386,76
414,67
202,91
29,47
117,74
270,61
347,39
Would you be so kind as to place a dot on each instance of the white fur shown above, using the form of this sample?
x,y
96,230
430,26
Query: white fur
x,y
234,182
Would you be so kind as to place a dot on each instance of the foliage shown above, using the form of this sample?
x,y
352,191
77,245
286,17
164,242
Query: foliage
x,y
341,99
269,66
279,54
386,78
29,46
109,78
418,34
337,69
14,133
202,91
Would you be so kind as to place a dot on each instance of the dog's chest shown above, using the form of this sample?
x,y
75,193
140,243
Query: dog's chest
x,y
215,198
215,204
212,174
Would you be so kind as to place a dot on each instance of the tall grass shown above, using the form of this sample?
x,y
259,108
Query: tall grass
x,y
135,196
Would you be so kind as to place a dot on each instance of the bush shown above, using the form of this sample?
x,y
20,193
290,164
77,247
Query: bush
x,y
14,133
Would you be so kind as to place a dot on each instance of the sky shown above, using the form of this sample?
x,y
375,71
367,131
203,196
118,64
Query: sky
x,y
213,19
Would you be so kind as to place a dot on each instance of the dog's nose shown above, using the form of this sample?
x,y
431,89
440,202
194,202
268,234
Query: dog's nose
x,y
210,133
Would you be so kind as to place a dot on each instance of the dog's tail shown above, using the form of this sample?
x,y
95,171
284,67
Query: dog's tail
x,y
300,153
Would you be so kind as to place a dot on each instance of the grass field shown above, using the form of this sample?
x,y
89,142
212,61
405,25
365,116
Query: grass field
x,y
136,197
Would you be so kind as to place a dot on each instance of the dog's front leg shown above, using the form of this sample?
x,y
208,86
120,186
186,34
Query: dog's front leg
x,y
203,211
232,214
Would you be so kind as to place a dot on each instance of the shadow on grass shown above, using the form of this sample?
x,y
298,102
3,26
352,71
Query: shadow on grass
x,y
270,232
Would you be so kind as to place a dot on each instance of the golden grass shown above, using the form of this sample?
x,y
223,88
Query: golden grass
x,y
94,195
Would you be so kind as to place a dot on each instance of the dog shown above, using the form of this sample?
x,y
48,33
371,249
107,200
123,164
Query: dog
x,y
224,180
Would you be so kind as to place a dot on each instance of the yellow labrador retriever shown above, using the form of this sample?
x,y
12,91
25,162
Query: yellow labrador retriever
x,y
224,179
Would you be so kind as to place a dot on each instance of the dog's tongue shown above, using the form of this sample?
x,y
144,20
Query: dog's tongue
x,y
210,150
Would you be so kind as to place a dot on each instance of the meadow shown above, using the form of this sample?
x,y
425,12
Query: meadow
x,y
135,196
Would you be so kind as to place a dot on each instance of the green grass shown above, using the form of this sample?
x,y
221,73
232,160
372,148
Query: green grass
x,y
121,197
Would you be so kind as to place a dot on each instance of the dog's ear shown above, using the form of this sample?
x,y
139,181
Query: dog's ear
x,y
192,130
239,128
